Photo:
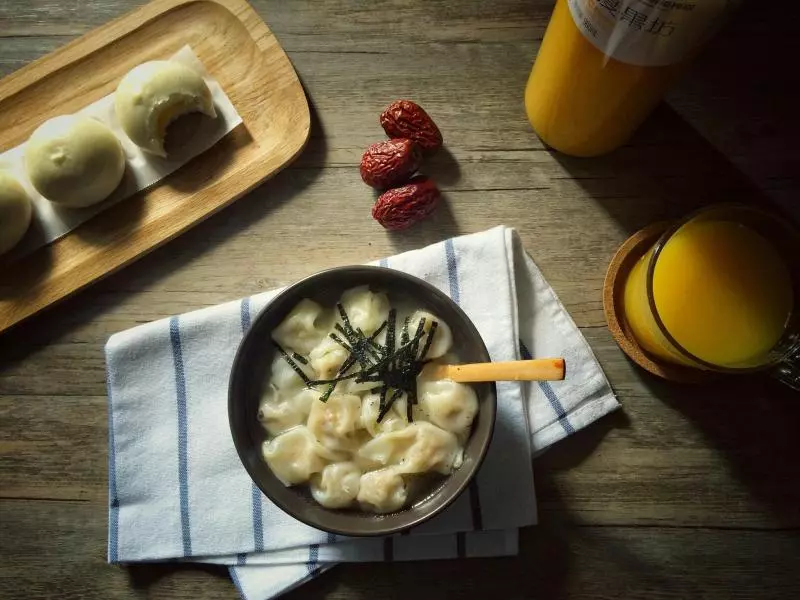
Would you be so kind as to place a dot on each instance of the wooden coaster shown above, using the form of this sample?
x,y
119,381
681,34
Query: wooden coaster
x,y
629,252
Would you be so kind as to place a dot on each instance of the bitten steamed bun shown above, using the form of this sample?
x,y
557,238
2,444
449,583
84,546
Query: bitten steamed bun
x,y
74,161
153,95
15,212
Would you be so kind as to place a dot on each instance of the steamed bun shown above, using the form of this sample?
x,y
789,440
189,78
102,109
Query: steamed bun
x,y
74,161
15,212
153,95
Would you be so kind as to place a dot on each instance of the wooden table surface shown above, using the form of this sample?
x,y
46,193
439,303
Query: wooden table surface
x,y
688,492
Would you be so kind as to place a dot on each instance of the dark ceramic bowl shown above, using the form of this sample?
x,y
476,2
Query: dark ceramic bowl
x,y
250,373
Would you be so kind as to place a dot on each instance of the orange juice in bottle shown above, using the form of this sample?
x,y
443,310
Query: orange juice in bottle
x,y
605,64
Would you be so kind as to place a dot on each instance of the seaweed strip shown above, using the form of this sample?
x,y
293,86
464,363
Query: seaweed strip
x,y
292,364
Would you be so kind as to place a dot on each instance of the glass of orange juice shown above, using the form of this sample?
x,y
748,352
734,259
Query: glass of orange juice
x,y
719,291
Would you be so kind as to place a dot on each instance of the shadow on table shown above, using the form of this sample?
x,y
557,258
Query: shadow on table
x,y
144,576
187,248
540,571
743,98
440,225
753,422
543,568
443,168
667,170
572,451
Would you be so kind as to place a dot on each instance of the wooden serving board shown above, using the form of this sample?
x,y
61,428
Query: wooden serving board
x,y
240,52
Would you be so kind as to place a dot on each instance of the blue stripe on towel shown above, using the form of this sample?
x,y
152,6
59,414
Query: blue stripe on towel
x,y
313,558
550,394
244,311
452,270
384,262
113,499
183,446
258,519
255,492
241,559
236,582
455,295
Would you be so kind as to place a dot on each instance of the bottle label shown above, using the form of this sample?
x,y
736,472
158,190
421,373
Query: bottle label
x,y
647,32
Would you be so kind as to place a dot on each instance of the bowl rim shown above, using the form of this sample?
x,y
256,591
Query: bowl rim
x,y
454,494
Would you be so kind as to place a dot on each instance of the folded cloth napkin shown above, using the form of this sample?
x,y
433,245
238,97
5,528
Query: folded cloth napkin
x,y
178,491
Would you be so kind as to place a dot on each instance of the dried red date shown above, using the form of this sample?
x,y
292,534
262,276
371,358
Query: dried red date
x,y
407,119
401,207
389,163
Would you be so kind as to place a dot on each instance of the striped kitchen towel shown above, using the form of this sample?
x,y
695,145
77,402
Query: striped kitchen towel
x,y
178,491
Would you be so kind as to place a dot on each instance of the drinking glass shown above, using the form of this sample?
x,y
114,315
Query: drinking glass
x,y
719,291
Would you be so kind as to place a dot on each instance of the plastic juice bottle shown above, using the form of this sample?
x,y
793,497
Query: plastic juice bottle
x,y
605,64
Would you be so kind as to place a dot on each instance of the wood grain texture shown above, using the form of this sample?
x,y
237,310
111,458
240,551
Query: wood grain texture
x,y
238,49
687,492
563,560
